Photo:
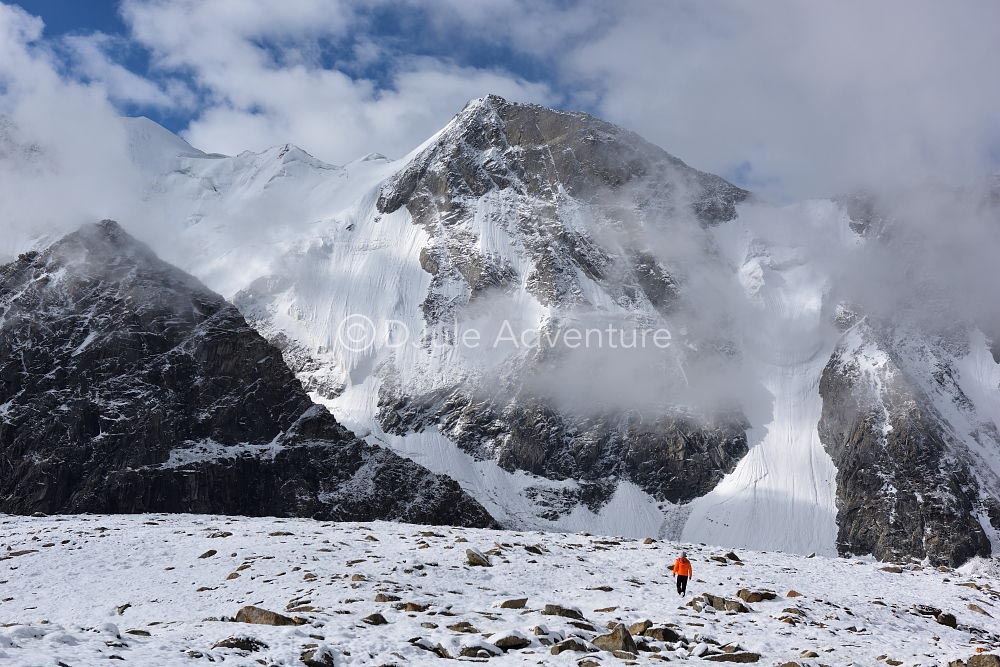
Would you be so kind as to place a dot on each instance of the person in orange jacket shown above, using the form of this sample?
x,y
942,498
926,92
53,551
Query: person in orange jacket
x,y
682,572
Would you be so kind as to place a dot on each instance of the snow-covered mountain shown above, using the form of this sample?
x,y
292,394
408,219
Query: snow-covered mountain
x,y
780,416
128,386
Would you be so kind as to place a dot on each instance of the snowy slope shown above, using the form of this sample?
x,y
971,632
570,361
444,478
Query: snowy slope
x,y
782,494
161,590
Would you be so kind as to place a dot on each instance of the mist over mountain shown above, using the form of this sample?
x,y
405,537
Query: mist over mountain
x,y
829,380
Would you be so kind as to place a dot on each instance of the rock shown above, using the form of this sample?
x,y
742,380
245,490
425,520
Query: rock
x,y
649,540
979,610
241,644
385,597
743,656
892,569
565,612
809,654
138,633
618,639
172,364
509,641
750,596
480,650
318,657
733,557
571,644
945,618
984,660
413,607
724,604
663,634
428,645
518,603
375,619
640,627
463,626
208,554
477,558
220,533
121,608
258,616
793,594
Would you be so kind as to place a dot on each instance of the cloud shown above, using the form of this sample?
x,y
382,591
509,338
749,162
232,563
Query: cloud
x,y
280,72
63,149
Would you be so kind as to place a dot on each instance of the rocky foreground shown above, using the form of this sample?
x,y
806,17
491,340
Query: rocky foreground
x,y
167,590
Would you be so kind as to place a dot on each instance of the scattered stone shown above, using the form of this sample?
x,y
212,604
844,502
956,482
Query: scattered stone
x,y
280,533
518,603
412,607
640,627
241,644
618,639
793,594
984,660
385,597
892,569
742,656
138,633
648,540
258,616
947,619
463,626
724,604
221,533
477,558
317,657
509,641
375,619
571,644
733,557
663,634
979,610
121,608
565,612
208,554
750,596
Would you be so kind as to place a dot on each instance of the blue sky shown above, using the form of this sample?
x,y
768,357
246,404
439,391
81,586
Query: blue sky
x,y
788,98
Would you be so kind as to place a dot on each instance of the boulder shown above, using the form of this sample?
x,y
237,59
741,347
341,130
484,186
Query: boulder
x,y
793,594
724,604
945,618
518,603
258,616
317,657
750,596
565,612
571,644
241,644
374,619
640,627
984,660
477,558
511,640
618,639
208,554
663,634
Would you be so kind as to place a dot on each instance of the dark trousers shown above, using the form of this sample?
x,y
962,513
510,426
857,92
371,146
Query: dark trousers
x,y
682,584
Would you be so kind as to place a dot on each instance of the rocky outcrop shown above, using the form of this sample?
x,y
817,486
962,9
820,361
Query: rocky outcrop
x,y
906,485
127,386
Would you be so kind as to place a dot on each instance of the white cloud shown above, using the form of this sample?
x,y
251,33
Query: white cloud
x,y
63,150
259,62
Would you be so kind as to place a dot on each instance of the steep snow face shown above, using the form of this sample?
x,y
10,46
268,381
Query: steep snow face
x,y
782,494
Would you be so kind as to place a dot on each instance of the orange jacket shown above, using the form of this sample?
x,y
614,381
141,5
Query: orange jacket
x,y
682,567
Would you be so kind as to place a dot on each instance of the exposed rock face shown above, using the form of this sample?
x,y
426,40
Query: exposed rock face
x,y
534,172
127,386
907,485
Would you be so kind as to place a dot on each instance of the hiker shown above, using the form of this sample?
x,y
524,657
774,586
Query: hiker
x,y
682,572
